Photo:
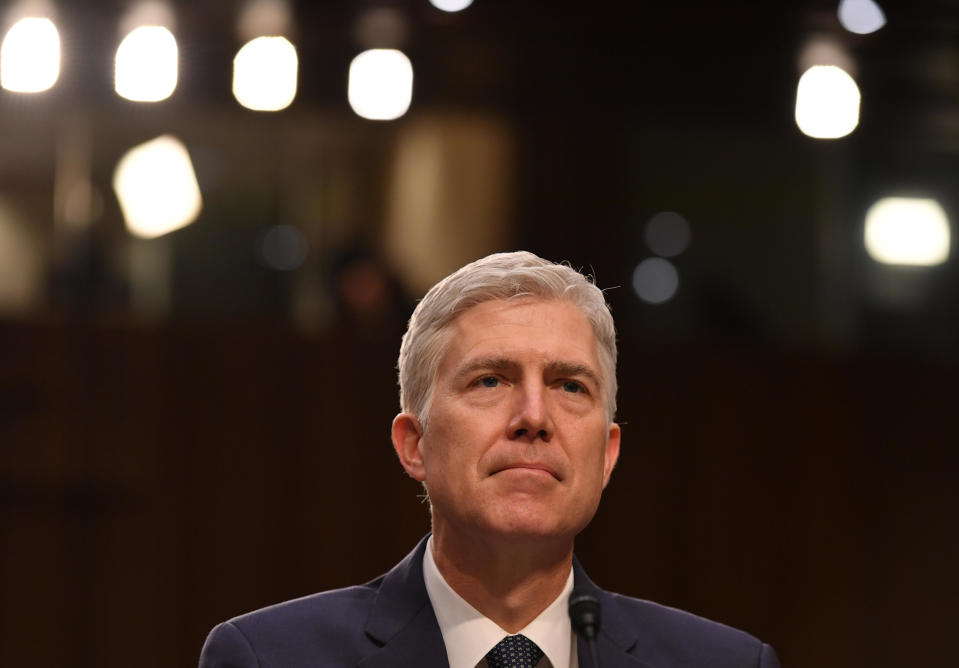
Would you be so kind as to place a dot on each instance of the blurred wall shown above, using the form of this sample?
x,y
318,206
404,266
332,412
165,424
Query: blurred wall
x,y
156,481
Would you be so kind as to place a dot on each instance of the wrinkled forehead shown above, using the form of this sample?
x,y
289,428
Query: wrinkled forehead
x,y
477,322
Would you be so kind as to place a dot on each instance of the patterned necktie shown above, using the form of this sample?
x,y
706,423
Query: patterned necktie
x,y
514,652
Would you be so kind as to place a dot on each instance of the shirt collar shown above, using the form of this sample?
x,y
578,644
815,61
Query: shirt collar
x,y
469,635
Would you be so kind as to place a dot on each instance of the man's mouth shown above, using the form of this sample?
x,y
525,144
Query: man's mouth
x,y
531,467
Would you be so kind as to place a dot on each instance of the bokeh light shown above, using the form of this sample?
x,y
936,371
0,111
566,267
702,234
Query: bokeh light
x,y
861,16
283,248
655,280
667,234
30,56
827,102
380,84
157,188
146,64
907,231
451,5
264,74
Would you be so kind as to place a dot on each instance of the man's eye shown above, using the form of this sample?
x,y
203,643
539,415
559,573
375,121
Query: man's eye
x,y
571,386
489,381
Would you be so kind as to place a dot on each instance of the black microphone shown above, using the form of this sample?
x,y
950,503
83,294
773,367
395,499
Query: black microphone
x,y
584,614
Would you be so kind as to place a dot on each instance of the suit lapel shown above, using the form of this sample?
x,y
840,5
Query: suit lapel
x,y
617,637
402,622
611,655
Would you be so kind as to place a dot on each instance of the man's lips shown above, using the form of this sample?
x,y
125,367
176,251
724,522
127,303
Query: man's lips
x,y
527,466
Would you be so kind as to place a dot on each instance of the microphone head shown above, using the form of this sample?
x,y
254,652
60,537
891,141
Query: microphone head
x,y
584,612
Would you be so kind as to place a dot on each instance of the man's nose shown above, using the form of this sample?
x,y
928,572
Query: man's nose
x,y
531,418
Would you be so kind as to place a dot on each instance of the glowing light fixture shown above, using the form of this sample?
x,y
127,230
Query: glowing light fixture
x,y
655,280
451,5
264,74
908,231
146,64
157,188
861,16
827,102
30,56
380,84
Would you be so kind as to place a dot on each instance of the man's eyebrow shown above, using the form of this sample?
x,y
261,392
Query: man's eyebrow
x,y
572,370
553,367
482,363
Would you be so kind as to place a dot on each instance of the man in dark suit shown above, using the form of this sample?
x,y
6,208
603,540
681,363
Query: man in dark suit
x,y
507,392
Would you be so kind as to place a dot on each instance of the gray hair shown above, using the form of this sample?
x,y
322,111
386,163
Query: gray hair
x,y
497,276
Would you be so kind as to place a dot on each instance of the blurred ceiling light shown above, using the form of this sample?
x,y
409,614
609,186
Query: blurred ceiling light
x,y
380,84
264,74
30,56
146,64
667,234
451,5
655,280
861,16
264,17
908,231
827,102
157,188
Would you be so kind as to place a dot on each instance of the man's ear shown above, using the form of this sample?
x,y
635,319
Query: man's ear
x,y
407,435
612,452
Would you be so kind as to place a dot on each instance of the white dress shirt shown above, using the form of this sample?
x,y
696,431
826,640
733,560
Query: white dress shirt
x,y
469,635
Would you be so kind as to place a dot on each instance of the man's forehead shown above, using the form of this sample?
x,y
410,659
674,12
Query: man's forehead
x,y
498,352
470,320
520,300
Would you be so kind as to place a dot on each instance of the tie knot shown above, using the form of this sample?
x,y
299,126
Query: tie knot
x,y
514,652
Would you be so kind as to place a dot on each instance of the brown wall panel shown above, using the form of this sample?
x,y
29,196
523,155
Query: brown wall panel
x,y
154,481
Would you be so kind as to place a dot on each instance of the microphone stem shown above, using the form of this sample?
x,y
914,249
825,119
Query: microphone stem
x,y
593,651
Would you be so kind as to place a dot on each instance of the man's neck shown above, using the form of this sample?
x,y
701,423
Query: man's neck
x,y
509,581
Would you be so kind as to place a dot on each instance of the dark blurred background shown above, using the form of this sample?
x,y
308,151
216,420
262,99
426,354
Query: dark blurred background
x,y
196,425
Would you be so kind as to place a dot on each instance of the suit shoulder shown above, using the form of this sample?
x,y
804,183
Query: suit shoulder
x,y
328,625
658,615
671,634
325,627
323,608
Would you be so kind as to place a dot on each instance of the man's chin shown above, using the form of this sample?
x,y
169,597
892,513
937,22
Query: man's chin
x,y
520,526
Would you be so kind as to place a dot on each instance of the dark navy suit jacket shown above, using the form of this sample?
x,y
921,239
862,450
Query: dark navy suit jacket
x,y
389,622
